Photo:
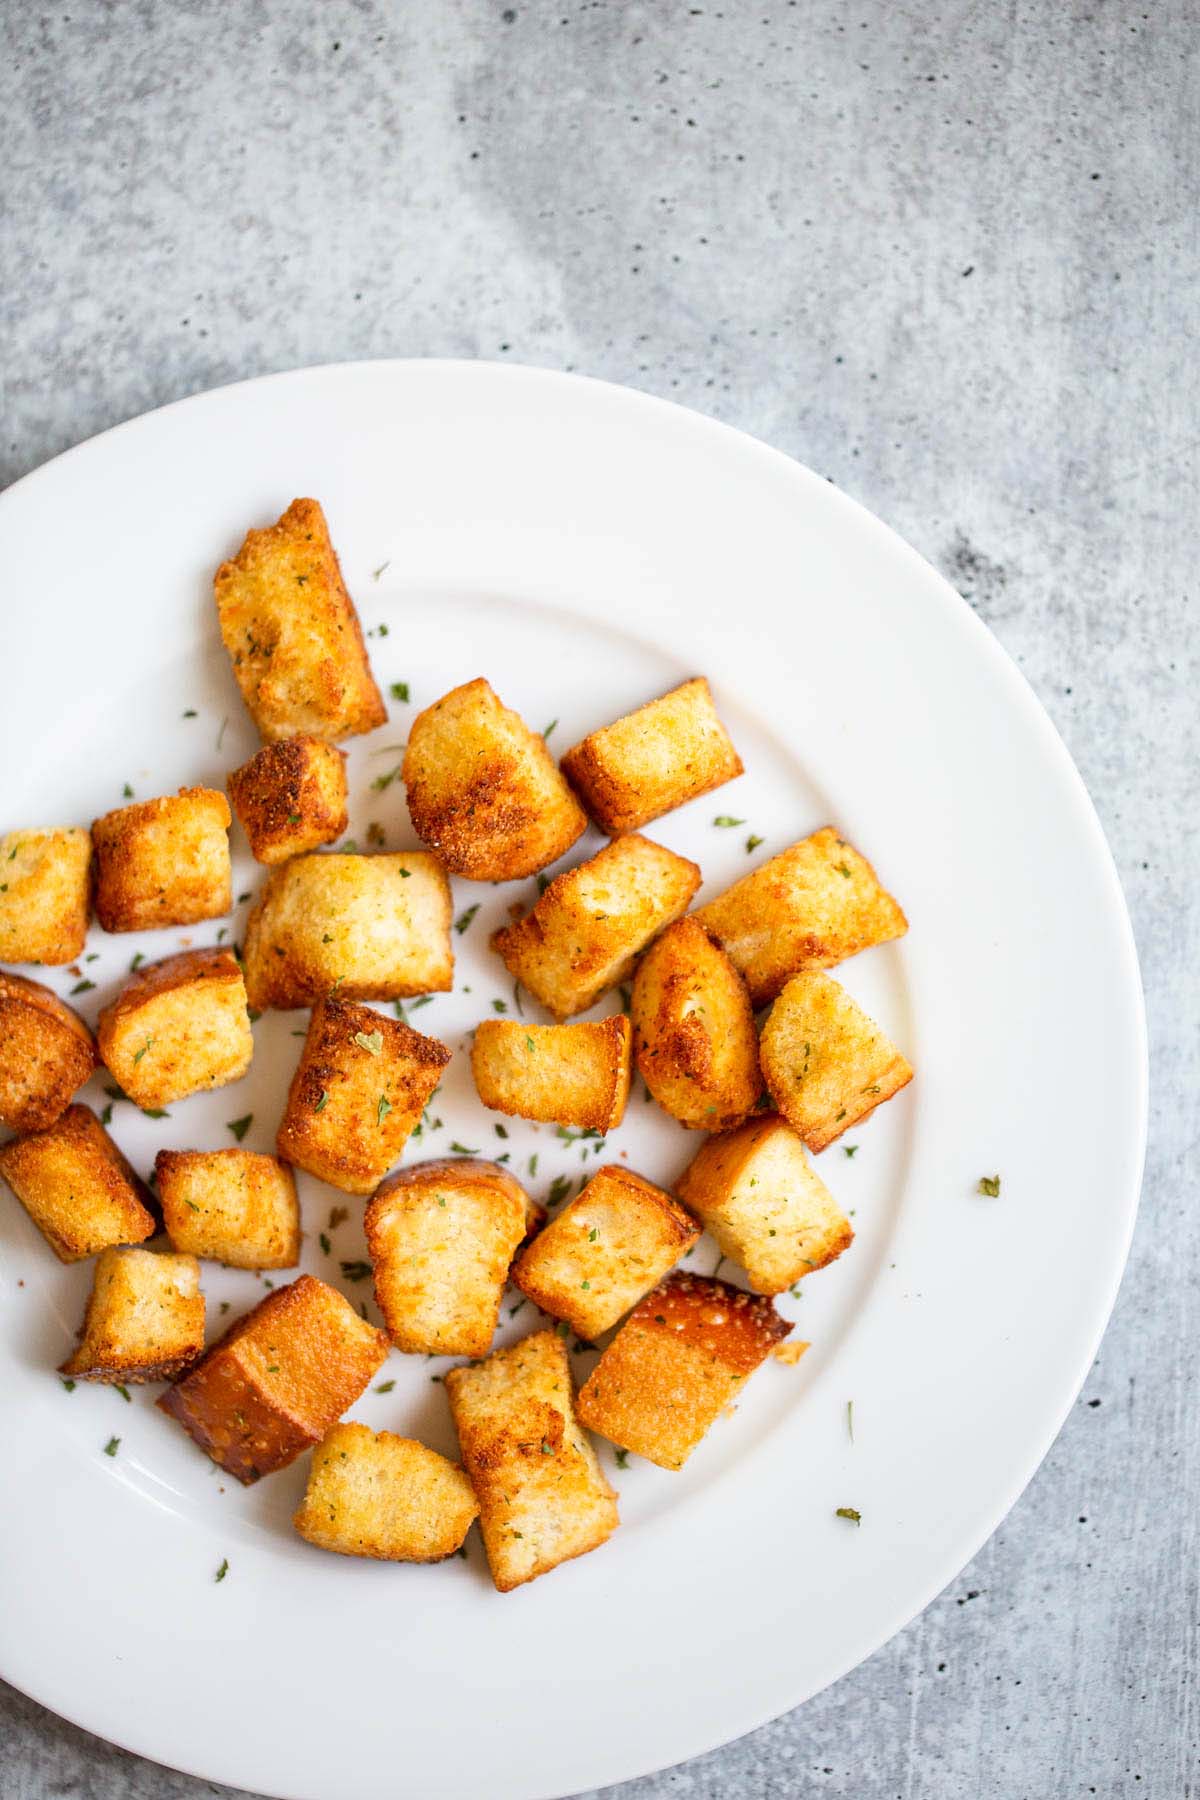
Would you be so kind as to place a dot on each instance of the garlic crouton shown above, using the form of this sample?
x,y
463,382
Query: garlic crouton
x,y
290,797
178,1027
371,1493
144,1320
653,760
693,1030
235,1207
45,895
827,1065
563,1074
46,1054
164,862
77,1187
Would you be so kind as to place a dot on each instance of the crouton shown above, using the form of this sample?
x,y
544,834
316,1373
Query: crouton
x,y
612,1244
652,760
827,1065
441,1236
290,797
808,908
278,1379
164,862
180,1026
680,1358
590,924
46,1054
371,1493
563,1074
757,1193
542,1497
144,1320
483,789
231,1206
45,895
693,1030
359,1089
77,1187
371,927
293,634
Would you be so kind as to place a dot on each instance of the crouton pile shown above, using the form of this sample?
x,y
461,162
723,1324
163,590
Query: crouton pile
x,y
725,1011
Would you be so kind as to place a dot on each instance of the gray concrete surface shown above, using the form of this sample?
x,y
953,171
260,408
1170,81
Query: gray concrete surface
x,y
947,255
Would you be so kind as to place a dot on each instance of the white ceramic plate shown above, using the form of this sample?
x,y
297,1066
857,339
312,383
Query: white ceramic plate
x,y
585,547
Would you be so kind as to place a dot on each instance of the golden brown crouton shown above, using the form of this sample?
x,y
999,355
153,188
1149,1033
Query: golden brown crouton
x,y
293,635
693,1030
45,895
764,1203
441,1236
827,1065
290,797
77,1187
484,790
371,927
359,1089
232,1206
542,1497
278,1379
679,1359
587,928
563,1074
652,760
808,908
144,1320
371,1493
178,1027
164,862
46,1053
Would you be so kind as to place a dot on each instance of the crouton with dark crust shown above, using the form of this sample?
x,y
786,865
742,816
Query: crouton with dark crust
x,y
164,862
144,1320
45,895
46,1054
653,760
235,1207
178,1027
371,1493
290,797
827,1064
562,1074
77,1187
694,1036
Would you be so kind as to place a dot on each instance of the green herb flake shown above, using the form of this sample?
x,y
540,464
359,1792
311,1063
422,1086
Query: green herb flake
x,y
464,919
989,1185
355,1271
849,1512
500,1006
399,689
547,1449
69,1385
190,713
223,1571
81,987
752,844
560,1187
529,1043
112,1446
240,1127
517,999
533,1164
550,727
324,1242
382,782
127,793
850,1419
337,1216
383,1109
727,819
371,1041
322,1101
138,1054
463,1149
849,1149
385,1387
106,1115
622,1459
124,1393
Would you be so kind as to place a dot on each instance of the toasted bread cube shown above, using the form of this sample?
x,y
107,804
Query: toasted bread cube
x,y
164,862
827,1065
46,1054
45,895
808,908
612,1244
441,1237
278,1379
677,1362
235,1207
178,1028
77,1187
653,760
562,1074
144,1320
542,1497
764,1203
371,927
360,1088
483,789
293,634
694,1037
371,1493
589,926
290,797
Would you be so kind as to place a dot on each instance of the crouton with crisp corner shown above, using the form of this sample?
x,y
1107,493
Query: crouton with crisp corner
x,y
144,1320
278,1379
371,1493
755,1190
164,862
77,1187
359,1089
179,1027
694,1038
653,760
441,1236
827,1065
591,923
371,927
45,895
680,1358
484,791
293,634
235,1207
46,1054
542,1496
808,908
562,1074
290,797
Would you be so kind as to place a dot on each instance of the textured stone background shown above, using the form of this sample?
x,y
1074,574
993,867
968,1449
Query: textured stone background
x,y
946,255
